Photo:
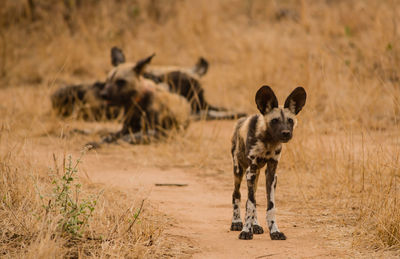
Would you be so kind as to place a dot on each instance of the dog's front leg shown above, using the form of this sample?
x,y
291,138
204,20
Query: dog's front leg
x,y
140,137
257,229
251,174
110,138
271,180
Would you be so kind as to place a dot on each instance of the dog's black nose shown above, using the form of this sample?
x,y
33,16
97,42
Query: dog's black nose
x,y
103,95
286,134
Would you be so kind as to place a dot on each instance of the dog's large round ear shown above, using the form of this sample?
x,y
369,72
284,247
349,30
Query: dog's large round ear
x,y
117,56
141,64
266,99
201,67
296,100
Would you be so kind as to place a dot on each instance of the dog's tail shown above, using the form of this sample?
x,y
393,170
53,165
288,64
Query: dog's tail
x,y
217,113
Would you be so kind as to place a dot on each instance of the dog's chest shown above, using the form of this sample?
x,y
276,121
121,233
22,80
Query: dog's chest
x,y
261,152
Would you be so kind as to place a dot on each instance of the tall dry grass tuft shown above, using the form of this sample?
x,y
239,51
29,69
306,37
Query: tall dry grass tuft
x,y
30,220
359,172
379,213
345,154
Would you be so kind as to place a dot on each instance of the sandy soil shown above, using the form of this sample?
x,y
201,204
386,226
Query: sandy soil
x,y
201,212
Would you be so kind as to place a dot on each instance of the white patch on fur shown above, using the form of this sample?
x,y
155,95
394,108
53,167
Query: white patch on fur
x,y
271,220
250,211
273,227
261,125
236,220
255,221
276,157
244,128
258,150
249,174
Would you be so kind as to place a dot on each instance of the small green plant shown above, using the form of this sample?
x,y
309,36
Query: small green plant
x,y
65,201
348,31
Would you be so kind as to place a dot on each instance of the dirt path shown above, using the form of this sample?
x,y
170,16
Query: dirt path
x,y
202,212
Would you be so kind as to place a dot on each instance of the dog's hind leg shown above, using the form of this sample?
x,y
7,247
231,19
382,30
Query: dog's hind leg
x,y
238,172
237,224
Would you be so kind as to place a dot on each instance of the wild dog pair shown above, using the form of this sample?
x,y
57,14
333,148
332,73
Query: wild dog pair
x,y
85,102
256,142
185,82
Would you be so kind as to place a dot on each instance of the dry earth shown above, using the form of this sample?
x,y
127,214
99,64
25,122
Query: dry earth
x,y
200,213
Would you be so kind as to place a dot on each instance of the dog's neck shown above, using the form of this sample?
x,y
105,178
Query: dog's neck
x,y
140,99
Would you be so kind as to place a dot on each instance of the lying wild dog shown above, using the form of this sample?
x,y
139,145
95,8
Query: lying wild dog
x,y
257,140
83,101
155,73
184,81
150,110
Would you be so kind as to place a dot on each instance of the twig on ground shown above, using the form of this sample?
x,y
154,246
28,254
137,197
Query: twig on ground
x,y
263,256
171,184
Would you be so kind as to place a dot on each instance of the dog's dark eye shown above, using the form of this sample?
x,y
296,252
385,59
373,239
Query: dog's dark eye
x,y
290,120
120,82
274,121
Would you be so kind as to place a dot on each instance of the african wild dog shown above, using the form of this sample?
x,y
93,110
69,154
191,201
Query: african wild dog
x,y
184,82
82,101
257,140
150,110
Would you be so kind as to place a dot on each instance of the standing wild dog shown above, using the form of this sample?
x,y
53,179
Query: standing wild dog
x,y
257,140
150,110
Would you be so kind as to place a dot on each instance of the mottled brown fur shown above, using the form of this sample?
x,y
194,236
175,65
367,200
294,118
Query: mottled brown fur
x,y
82,101
150,110
185,82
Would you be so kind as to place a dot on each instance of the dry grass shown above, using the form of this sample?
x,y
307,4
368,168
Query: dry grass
x,y
345,53
28,228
